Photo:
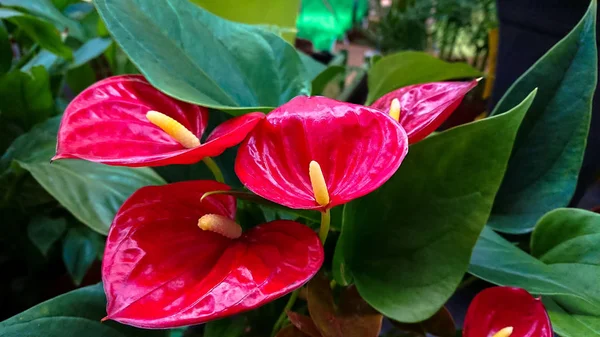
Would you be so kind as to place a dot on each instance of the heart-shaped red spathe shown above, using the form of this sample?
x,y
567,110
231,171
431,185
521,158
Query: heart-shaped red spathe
x,y
424,107
107,123
358,149
161,271
499,307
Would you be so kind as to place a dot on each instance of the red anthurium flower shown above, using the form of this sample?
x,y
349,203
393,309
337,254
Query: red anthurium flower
x,y
173,260
422,108
123,120
316,153
506,312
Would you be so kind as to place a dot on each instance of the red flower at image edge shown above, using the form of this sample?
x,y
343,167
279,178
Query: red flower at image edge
x,y
422,108
315,146
506,312
110,123
160,270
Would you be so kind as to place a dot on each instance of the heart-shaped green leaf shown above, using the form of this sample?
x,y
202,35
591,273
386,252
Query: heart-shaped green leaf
x,y
201,58
412,238
567,235
543,168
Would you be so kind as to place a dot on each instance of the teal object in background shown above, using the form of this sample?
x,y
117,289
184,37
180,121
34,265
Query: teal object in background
x,y
324,21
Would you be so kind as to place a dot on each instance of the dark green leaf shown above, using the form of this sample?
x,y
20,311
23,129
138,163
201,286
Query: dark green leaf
x,y
326,76
44,232
80,78
40,31
80,249
45,9
498,261
226,327
543,169
567,235
568,325
198,57
313,67
6,54
76,313
411,67
91,192
30,95
445,185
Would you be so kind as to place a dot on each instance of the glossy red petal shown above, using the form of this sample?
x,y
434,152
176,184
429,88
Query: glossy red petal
x,y
499,307
424,107
160,270
358,149
107,123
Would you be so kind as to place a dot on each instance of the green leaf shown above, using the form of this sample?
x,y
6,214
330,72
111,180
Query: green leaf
x,y
46,10
498,261
40,31
313,67
200,58
543,169
445,185
80,249
76,313
44,232
89,51
567,235
568,325
411,67
270,12
227,327
92,192
326,76
6,54
31,97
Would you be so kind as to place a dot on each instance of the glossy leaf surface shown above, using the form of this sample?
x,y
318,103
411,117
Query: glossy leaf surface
x,y
160,270
76,313
358,149
81,247
500,262
393,261
571,325
545,163
411,67
499,307
424,107
567,235
107,123
236,66
91,192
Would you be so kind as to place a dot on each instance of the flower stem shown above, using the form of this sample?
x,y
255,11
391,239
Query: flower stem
x,y
288,306
325,222
323,231
214,168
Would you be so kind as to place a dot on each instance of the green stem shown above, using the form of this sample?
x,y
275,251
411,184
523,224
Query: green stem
x,y
323,231
283,315
325,222
214,168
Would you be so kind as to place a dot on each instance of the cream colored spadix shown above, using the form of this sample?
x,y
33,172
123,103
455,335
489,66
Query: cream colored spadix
x,y
317,180
174,129
395,109
506,332
220,224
